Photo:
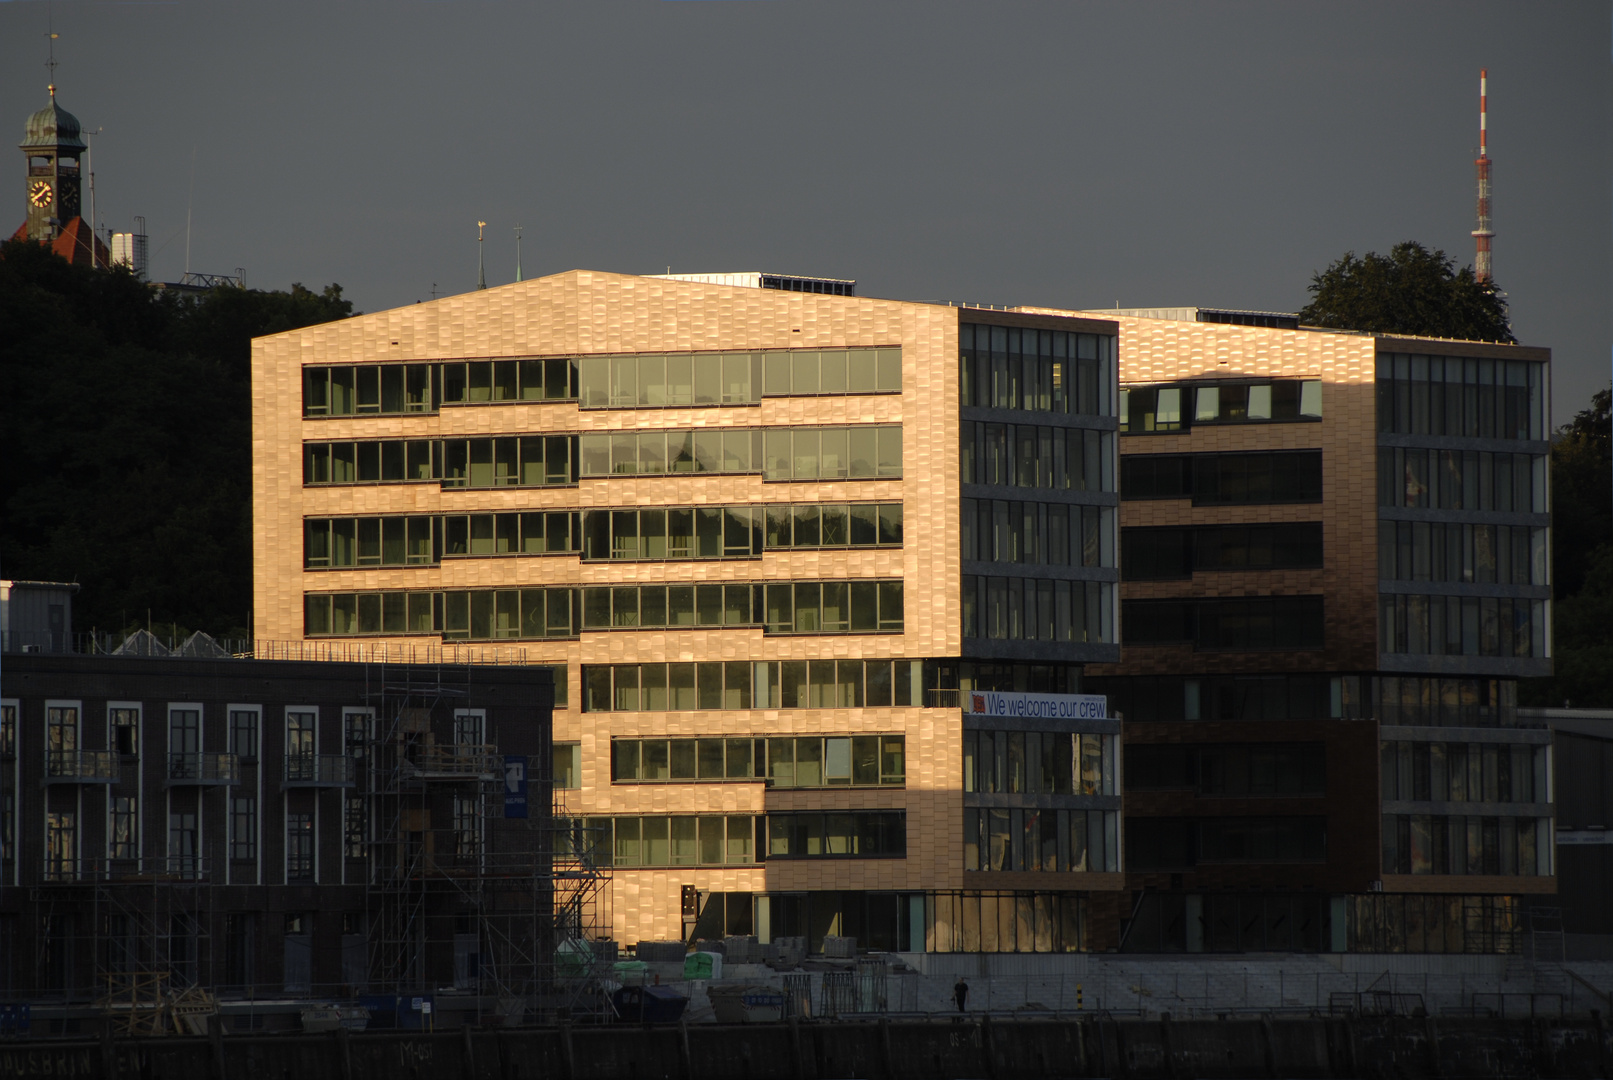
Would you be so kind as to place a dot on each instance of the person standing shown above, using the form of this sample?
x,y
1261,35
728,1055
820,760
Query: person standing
x,y
960,993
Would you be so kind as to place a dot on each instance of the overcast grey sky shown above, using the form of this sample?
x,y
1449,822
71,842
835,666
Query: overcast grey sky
x,y
1073,154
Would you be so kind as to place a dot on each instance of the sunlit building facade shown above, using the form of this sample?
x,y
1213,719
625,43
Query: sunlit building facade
x,y
774,543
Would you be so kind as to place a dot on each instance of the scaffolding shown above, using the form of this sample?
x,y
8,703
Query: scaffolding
x,y
506,911
450,875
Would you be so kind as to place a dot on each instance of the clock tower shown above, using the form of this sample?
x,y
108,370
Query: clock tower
x,y
52,186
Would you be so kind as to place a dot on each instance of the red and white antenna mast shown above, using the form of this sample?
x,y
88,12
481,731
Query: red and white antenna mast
x,y
1482,234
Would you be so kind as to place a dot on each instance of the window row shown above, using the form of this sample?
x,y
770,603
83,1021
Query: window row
x,y
1028,609
1006,367
864,451
1179,408
1418,923
1177,552
1038,763
398,389
766,684
1462,480
1282,476
597,382
1476,399
1486,554
388,461
181,857
1056,534
1227,697
817,607
680,840
860,452
1461,626
985,921
735,839
866,834
1272,769
483,615
370,390
373,541
807,761
1255,623
800,607
1022,455
713,532
1183,843
736,378
183,727
1041,840
1444,702
1391,699
1437,844
1465,772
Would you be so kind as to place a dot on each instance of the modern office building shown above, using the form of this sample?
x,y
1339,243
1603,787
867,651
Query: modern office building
x,y
772,540
1335,570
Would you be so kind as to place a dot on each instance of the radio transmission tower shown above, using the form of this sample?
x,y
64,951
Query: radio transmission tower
x,y
1482,234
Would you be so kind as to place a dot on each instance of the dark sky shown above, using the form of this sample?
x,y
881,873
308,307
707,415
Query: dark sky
x,y
1074,154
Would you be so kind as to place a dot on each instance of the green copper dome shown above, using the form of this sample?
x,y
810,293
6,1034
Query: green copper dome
x,y
53,126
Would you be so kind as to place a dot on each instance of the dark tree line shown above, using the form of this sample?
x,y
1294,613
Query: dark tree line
x,y
125,431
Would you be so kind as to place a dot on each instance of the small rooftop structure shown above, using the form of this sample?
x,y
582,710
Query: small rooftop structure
x,y
36,616
1273,320
757,279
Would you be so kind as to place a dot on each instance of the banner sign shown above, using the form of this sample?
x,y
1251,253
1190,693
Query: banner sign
x,y
515,785
1574,837
1037,706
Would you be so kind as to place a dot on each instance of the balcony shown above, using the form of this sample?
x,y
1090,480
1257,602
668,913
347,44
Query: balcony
x,y
203,770
80,767
320,771
465,762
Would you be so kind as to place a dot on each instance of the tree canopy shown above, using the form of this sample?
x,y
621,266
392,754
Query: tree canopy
x,y
125,425
1409,291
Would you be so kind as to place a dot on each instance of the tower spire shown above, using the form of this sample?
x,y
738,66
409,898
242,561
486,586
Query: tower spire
x,y
1482,234
481,265
518,253
50,60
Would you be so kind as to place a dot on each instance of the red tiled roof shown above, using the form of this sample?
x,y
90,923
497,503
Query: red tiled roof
x,y
74,243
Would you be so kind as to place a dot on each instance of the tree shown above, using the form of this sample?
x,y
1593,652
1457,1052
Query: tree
x,y
125,426
1410,291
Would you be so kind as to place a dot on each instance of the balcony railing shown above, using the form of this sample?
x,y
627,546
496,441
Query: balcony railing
x,y
464,762
81,767
320,770
203,769
59,869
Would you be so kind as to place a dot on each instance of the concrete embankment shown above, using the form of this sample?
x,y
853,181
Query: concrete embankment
x,y
1237,1049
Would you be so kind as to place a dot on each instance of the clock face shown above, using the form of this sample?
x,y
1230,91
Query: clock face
x,y
39,193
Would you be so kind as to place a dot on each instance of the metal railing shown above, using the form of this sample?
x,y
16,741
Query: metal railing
x,y
467,761
203,768
145,644
81,767
59,869
320,770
